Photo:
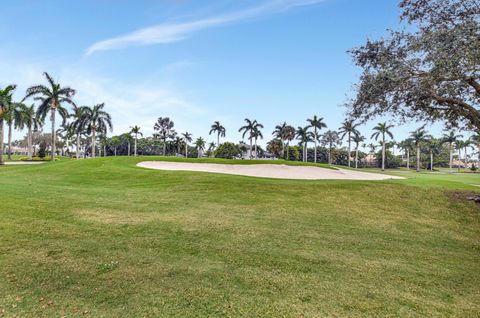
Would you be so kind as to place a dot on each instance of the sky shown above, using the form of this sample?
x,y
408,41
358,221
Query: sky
x,y
269,60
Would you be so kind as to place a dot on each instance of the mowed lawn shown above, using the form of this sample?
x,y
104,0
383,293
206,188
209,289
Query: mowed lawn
x,y
103,238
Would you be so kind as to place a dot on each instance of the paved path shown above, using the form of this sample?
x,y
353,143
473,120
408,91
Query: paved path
x,y
269,171
24,162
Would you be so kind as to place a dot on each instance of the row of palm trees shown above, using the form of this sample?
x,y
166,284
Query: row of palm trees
x,y
51,99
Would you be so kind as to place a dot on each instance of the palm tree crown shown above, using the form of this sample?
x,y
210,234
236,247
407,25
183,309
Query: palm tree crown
x,y
96,120
219,129
317,124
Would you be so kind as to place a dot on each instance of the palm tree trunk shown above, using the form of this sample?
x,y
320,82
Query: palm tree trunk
x,y
164,146
115,151
431,160
186,149
93,143
451,157
383,153
256,155
418,158
78,146
459,159
251,149
135,146
104,150
408,159
465,159
315,152
54,133
10,141
356,157
1,142
283,148
288,152
29,142
330,155
128,149
349,149
218,139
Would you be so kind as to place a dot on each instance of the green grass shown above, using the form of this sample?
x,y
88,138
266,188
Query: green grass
x,y
103,238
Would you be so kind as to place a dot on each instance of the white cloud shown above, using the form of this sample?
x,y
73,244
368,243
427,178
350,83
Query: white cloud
x,y
173,32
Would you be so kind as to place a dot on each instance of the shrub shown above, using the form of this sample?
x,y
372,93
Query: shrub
x,y
227,150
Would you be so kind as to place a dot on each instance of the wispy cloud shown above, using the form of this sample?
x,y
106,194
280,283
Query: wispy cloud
x,y
173,32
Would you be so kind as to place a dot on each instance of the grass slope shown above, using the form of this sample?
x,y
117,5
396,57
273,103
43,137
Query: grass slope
x,y
104,238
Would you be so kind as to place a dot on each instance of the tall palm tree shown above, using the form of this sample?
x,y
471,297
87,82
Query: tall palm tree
x,y
317,124
78,126
52,98
211,148
348,129
11,118
249,127
406,145
164,126
27,118
115,141
97,120
5,102
200,145
177,142
450,139
288,135
279,133
419,136
434,149
382,129
136,131
330,138
187,137
127,137
357,139
256,134
467,144
219,129
304,136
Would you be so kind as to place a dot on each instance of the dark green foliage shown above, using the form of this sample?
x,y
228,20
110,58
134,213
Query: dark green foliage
x,y
227,150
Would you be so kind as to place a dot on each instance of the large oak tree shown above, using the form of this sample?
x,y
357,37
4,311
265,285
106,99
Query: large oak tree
x,y
431,73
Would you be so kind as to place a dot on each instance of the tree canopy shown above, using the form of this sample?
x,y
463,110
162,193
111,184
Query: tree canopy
x,y
431,73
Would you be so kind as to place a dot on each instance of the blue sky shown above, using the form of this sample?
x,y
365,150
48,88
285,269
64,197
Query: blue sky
x,y
270,60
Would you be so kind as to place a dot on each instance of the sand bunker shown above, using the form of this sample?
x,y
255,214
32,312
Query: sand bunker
x,y
268,171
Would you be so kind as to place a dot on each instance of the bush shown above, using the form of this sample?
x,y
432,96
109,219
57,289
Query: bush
x,y
36,159
227,150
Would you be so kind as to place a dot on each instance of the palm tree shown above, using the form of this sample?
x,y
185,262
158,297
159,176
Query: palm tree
x,y
288,135
347,129
27,118
257,133
5,102
250,127
97,120
51,99
78,126
219,129
211,147
136,131
304,136
357,139
434,149
467,144
279,133
317,124
127,137
200,145
450,139
419,136
476,140
164,126
114,143
406,145
187,137
11,117
382,129
330,138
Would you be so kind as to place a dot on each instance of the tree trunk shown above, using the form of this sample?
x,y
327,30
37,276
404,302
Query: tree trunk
x,y
218,139
349,149
256,154
251,149
10,140
383,153
288,151
451,158
115,151
408,159
459,159
128,149
431,160
466,160
186,149
283,148
1,142
164,147
135,146
418,158
54,133
29,142
356,157
77,155
330,155
315,152
67,144
93,143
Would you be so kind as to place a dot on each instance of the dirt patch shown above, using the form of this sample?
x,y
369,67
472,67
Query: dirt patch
x,y
115,217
